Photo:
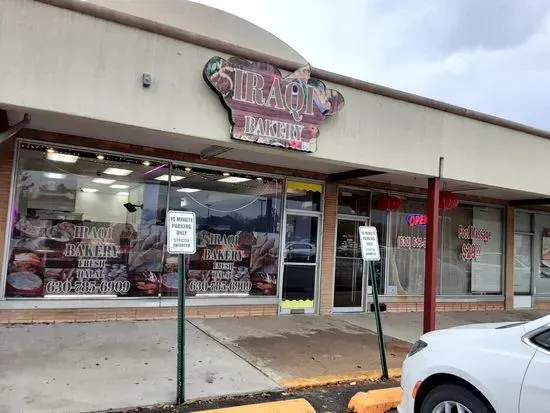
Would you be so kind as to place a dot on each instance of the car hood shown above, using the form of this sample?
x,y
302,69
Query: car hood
x,y
485,326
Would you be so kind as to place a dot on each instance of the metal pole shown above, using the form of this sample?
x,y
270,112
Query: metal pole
x,y
181,329
378,324
432,233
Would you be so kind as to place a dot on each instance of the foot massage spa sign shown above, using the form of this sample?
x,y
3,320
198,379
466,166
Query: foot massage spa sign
x,y
270,109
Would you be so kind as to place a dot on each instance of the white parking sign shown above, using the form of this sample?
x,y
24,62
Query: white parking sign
x,y
369,243
182,232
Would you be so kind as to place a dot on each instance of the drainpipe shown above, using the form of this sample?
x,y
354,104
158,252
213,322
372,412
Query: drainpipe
x,y
8,133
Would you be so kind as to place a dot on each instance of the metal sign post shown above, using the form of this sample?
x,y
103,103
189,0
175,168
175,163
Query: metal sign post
x,y
181,235
370,251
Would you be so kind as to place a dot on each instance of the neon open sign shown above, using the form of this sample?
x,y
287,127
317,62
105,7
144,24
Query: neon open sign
x,y
416,220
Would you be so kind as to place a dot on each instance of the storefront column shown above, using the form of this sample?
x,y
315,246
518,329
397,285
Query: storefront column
x,y
432,239
328,246
509,251
6,164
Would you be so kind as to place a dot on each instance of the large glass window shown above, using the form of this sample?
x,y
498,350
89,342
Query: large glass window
x,y
238,224
541,247
85,223
470,248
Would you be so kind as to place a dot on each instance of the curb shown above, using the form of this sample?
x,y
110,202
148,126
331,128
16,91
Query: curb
x,y
375,401
371,375
284,406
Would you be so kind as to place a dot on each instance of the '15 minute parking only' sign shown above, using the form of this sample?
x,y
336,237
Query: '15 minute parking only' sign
x,y
369,243
182,232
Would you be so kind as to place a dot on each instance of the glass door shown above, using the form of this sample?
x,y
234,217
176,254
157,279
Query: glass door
x,y
350,271
523,260
300,256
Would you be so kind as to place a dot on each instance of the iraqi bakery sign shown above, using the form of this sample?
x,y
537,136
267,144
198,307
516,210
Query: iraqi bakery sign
x,y
268,108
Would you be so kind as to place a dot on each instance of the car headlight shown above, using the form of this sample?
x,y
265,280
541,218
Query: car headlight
x,y
419,345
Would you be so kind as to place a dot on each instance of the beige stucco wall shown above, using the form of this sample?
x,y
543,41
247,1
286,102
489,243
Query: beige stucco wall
x,y
70,63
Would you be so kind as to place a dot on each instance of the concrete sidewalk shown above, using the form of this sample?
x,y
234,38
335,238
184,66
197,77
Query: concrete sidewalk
x,y
408,326
97,366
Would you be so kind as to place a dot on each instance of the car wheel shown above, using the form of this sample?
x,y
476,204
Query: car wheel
x,y
452,398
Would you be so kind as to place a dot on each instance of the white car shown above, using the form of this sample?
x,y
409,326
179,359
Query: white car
x,y
479,368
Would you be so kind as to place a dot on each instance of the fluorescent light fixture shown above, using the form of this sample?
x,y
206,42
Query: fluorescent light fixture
x,y
103,181
233,179
123,193
89,190
117,171
61,157
54,175
259,179
100,157
226,174
119,186
50,150
173,179
146,163
188,190
187,169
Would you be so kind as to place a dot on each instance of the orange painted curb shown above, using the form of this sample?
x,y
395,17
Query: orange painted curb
x,y
284,406
339,378
375,401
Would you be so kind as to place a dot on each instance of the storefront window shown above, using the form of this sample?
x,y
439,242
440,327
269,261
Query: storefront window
x,y
304,196
542,252
238,224
85,223
470,248
352,202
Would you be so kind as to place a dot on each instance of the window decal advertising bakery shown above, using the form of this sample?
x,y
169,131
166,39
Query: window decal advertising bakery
x,y
58,257
233,263
271,109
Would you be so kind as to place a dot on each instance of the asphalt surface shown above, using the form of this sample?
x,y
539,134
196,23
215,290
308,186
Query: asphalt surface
x,y
328,399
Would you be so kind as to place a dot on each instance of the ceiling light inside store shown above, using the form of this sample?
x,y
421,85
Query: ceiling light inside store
x,y
146,163
103,181
119,186
173,179
90,190
50,150
61,157
123,193
54,175
226,174
187,169
100,157
233,179
117,171
188,190
259,179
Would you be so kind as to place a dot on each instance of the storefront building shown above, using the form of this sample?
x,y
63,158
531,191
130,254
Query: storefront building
x,y
279,189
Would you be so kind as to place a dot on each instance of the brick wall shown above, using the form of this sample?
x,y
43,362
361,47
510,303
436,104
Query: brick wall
x,y
327,255
446,306
129,314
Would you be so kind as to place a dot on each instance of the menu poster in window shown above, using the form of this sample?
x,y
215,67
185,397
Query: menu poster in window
x,y
61,257
234,262
545,264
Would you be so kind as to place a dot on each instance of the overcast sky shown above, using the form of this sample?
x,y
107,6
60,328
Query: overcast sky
x,y
489,55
